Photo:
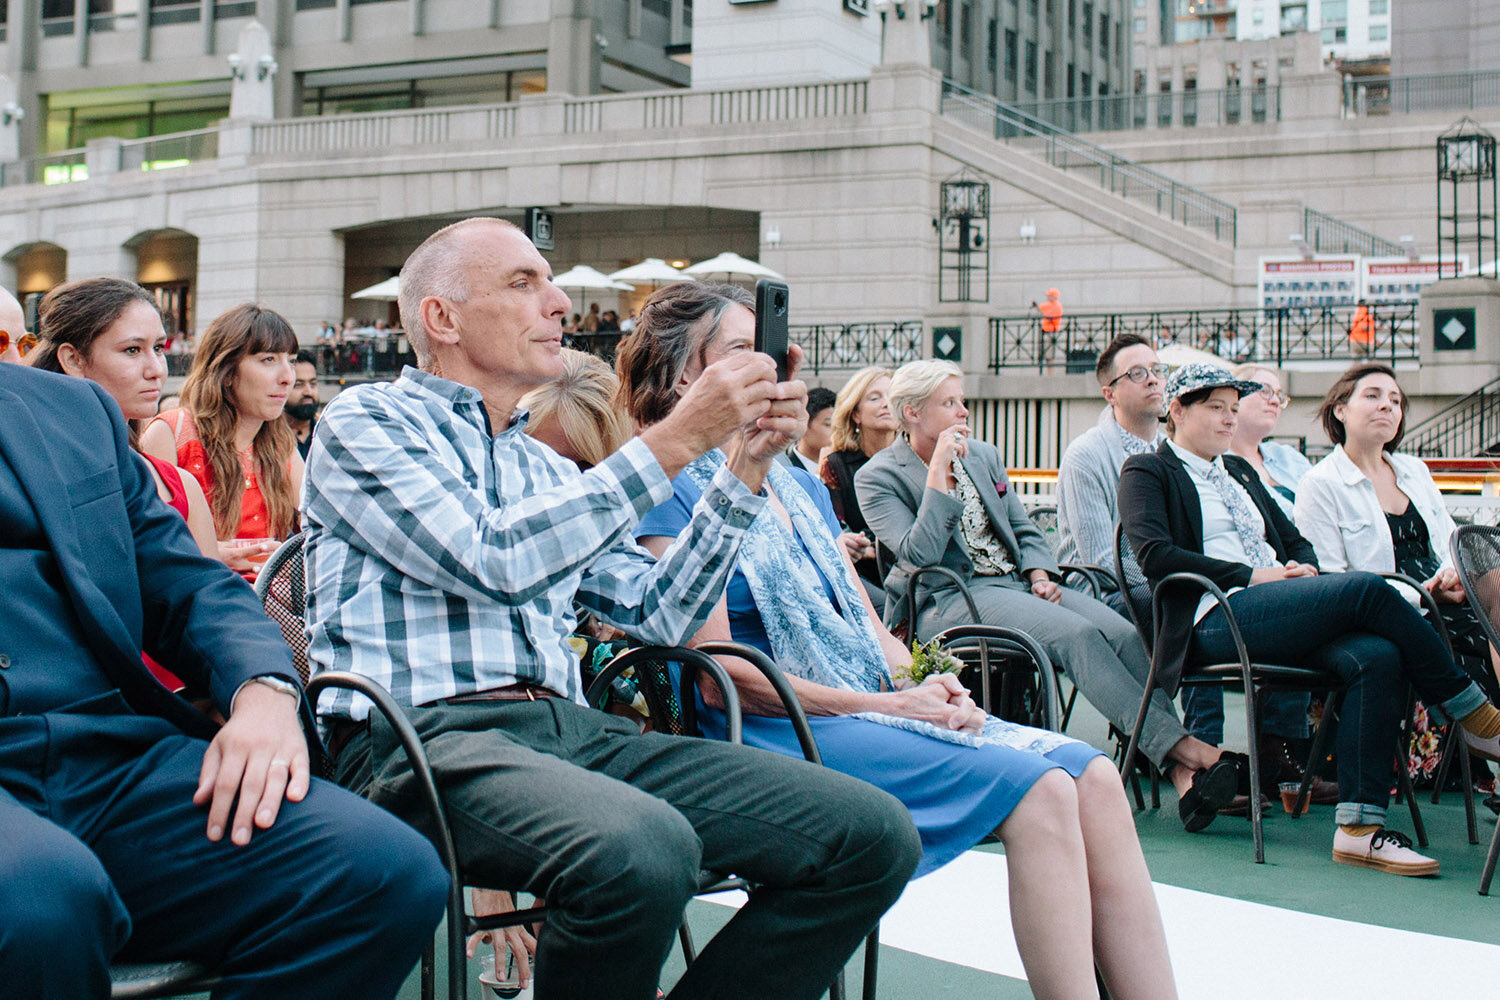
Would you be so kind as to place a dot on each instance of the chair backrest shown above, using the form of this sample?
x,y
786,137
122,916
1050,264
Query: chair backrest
x,y
1045,519
282,589
1140,615
1476,555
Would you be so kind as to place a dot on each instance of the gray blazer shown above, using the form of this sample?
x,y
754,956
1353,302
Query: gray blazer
x,y
921,525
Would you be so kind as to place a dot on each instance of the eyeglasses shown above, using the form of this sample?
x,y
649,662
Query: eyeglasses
x,y
24,342
1141,373
1277,396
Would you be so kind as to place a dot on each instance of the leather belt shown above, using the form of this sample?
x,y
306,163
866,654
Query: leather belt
x,y
510,692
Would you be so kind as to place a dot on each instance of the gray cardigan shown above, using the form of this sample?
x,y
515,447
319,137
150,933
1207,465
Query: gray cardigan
x,y
921,525
1088,487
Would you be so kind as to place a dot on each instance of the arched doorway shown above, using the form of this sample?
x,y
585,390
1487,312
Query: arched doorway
x,y
39,267
167,267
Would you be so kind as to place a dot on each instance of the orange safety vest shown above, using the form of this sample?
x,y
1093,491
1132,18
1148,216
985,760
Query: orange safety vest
x,y
1051,311
1362,330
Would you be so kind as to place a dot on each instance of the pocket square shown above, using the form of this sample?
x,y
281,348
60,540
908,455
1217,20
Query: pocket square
x,y
1002,488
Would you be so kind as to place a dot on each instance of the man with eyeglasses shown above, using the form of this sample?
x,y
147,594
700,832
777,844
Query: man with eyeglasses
x,y
1131,380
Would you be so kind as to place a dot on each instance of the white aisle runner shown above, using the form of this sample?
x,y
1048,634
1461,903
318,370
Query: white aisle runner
x,y
1222,948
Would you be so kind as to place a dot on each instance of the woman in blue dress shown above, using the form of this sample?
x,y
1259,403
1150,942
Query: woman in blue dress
x,y
1080,893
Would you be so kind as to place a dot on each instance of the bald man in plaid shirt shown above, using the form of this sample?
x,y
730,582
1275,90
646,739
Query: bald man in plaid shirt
x,y
445,550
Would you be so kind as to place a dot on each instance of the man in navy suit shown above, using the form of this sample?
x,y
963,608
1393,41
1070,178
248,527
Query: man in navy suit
x,y
132,828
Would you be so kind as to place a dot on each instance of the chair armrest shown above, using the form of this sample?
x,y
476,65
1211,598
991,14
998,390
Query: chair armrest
x,y
411,743
1087,573
1429,604
692,661
1012,640
789,700
1198,581
939,570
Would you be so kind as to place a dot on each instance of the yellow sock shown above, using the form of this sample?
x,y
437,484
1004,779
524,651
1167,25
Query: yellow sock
x,y
1483,722
1359,829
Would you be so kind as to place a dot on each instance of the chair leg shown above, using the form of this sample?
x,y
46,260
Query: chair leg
x,y
429,971
1252,733
1466,775
872,963
1403,782
689,951
836,990
1451,741
1155,788
1331,705
1489,864
1068,709
458,959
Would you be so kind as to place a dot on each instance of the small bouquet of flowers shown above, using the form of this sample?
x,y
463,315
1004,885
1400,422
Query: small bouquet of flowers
x,y
930,659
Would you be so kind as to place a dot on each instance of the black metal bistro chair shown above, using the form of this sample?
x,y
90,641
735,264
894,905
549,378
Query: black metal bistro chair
x,y
1476,556
1254,679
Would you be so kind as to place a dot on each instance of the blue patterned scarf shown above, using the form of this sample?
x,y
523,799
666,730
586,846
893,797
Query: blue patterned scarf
x,y
810,638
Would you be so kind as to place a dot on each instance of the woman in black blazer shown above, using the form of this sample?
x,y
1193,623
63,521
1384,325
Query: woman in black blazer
x,y
1191,507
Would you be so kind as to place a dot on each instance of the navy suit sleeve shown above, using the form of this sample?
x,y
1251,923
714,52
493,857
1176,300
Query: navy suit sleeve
x,y
199,619
1144,498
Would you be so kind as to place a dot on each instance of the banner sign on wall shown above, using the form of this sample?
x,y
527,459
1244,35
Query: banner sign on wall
x,y
1298,283
1399,279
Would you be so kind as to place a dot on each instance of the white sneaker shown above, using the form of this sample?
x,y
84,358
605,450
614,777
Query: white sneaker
x,y
1384,850
1478,745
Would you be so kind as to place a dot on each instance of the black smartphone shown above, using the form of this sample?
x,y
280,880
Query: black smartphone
x,y
771,334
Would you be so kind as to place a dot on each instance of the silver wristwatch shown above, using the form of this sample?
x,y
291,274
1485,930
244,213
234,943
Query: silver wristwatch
x,y
279,685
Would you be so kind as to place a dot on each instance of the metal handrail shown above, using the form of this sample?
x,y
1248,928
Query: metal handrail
x,y
855,345
1386,95
1329,234
1467,426
1165,108
1180,202
1279,335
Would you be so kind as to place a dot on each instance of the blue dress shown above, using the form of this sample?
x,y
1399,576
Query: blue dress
x,y
956,794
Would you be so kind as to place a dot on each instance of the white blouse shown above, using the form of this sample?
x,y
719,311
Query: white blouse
x,y
1338,512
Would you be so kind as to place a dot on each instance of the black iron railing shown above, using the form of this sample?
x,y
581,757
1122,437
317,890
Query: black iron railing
x,y
1270,335
1177,201
1467,427
833,346
1395,95
1328,234
1188,108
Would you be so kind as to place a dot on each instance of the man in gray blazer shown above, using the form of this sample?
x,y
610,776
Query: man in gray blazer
x,y
936,496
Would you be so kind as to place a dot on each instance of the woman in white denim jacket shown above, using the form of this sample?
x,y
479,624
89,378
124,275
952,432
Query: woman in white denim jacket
x,y
1365,507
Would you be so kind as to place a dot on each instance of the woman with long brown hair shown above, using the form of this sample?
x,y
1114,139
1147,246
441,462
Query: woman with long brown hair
x,y
229,431
110,330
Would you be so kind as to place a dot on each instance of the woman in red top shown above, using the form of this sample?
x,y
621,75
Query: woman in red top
x,y
229,431
110,331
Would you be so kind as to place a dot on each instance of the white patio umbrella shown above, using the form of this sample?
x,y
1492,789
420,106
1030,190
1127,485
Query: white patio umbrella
x,y
388,290
1177,355
651,271
729,264
584,276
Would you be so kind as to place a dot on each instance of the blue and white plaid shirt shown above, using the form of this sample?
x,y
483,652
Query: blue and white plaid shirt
x,y
443,560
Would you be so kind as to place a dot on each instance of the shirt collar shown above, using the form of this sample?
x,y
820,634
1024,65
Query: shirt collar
x,y
1126,437
1194,462
458,396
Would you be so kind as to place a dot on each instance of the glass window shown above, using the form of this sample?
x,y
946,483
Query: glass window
x,y
1031,67
1048,90
1010,56
1335,11
1139,25
1379,32
1380,6
1258,16
1335,35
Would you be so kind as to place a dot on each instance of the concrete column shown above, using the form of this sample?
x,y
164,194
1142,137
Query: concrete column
x,y
1467,368
572,55
102,157
907,86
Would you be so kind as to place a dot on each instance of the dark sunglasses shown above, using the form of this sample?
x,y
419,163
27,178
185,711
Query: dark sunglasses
x,y
24,342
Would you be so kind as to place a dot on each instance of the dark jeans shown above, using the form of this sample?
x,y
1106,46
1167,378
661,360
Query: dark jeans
x,y
1359,627
612,828
106,857
1283,713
